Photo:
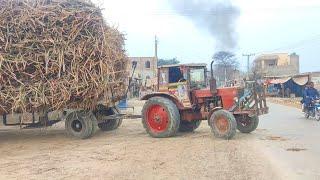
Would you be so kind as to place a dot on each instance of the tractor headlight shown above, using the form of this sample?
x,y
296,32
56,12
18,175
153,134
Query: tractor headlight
x,y
236,99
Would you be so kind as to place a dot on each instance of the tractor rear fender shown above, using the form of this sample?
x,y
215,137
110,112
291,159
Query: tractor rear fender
x,y
212,111
179,105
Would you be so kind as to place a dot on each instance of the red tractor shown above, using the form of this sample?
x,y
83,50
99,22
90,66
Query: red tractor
x,y
184,99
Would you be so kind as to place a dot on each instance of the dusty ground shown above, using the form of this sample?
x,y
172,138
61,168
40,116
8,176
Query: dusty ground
x,y
291,140
129,153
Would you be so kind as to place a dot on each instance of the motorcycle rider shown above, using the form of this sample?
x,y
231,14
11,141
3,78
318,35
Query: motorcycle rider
x,y
310,93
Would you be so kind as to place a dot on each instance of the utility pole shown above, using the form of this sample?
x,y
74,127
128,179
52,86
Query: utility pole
x,y
225,75
248,62
156,53
156,47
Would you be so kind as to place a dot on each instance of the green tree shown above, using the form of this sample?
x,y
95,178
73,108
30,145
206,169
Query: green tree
x,y
226,64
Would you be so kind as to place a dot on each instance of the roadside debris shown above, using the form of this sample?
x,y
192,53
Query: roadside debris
x,y
296,149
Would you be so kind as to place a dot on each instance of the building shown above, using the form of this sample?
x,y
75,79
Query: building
x,y
277,64
145,75
315,78
146,67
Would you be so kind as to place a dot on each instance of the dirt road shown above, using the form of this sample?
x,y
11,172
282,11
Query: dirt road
x,y
129,153
292,141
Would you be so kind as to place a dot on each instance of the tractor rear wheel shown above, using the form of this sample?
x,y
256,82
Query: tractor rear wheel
x,y
160,117
110,124
223,124
189,126
247,124
81,124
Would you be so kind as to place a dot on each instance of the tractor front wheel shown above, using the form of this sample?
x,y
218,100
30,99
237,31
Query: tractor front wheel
x,y
189,126
223,124
160,117
247,124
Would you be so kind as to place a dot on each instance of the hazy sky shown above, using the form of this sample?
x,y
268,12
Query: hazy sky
x,y
262,26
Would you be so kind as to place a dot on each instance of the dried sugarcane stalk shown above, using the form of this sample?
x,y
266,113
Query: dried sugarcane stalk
x,y
58,54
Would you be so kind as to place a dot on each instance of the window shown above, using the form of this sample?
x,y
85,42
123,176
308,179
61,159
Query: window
x,y
163,79
147,65
197,78
272,63
175,75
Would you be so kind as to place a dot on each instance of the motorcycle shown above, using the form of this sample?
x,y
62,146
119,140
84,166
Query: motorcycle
x,y
313,110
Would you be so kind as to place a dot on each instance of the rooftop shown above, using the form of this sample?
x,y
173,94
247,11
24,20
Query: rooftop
x,y
272,56
188,65
142,57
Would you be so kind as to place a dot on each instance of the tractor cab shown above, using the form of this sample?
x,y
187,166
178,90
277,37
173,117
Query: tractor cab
x,y
181,81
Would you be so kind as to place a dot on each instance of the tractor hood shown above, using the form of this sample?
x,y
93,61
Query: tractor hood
x,y
202,93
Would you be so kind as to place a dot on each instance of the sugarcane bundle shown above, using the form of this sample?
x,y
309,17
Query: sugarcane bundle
x,y
57,54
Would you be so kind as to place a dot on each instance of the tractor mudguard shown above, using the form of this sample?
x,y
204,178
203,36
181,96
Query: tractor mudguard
x,y
179,104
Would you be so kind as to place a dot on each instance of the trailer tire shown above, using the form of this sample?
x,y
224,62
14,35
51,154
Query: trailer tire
x,y
160,117
81,124
189,126
107,125
110,125
223,124
248,125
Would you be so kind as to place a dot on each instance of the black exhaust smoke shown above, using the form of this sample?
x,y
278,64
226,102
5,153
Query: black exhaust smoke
x,y
217,16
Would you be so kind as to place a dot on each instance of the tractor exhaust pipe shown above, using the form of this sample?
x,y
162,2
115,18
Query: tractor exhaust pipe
x,y
212,68
213,82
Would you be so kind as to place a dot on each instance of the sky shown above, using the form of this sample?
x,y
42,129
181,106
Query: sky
x,y
263,26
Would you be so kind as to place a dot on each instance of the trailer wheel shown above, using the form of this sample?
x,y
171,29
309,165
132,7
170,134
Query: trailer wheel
x,y
247,124
189,126
160,117
81,124
110,125
107,125
223,124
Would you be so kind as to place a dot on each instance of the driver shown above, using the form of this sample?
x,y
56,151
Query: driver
x,y
310,93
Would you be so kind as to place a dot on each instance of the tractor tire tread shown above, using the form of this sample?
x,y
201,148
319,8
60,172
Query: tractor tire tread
x,y
231,122
173,113
109,125
249,128
87,120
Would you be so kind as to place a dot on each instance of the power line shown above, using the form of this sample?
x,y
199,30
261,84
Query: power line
x,y
294,45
